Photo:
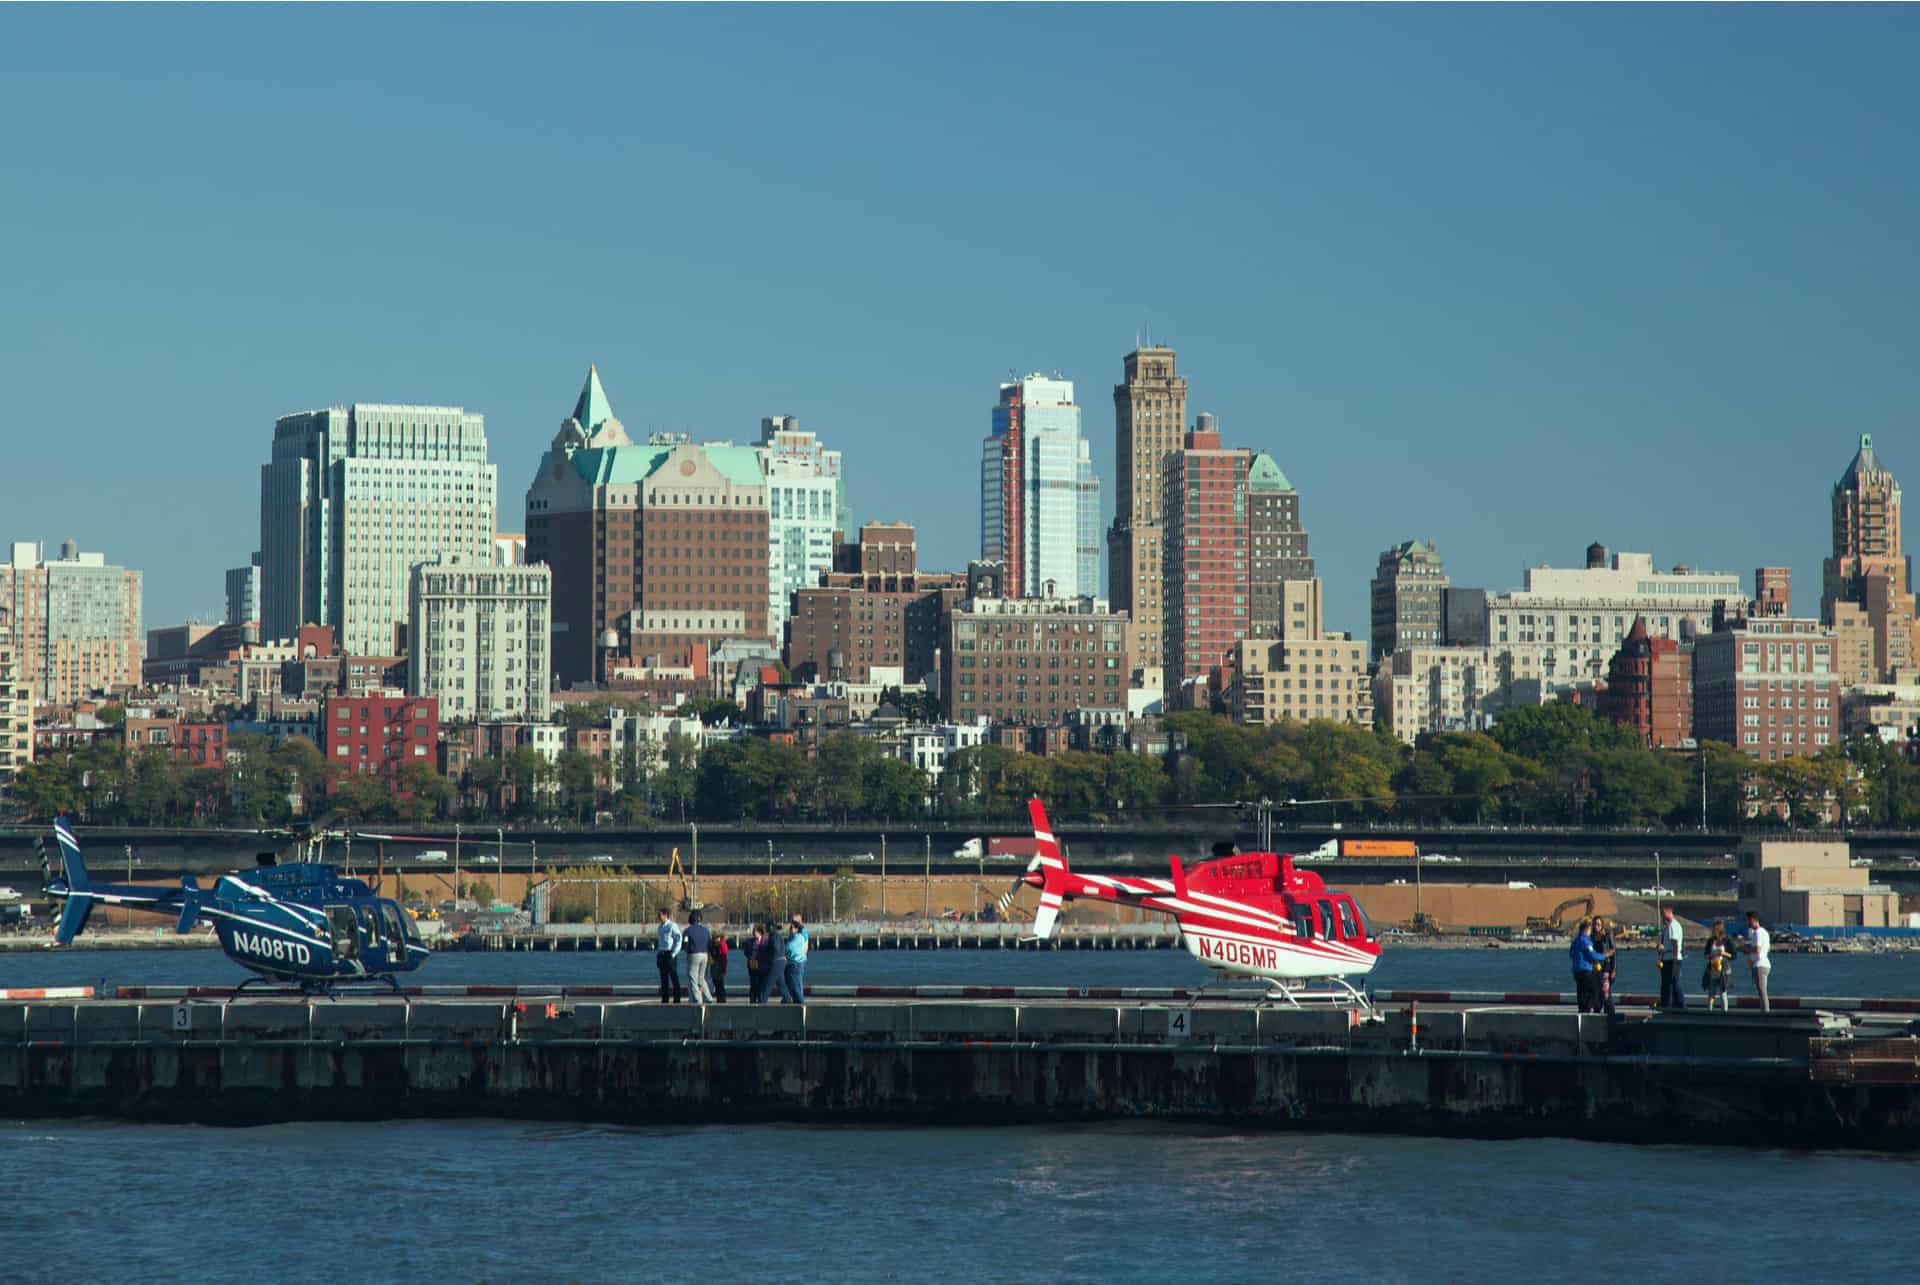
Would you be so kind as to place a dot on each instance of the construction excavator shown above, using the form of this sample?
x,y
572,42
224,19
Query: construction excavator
x,y
675,870
1555,920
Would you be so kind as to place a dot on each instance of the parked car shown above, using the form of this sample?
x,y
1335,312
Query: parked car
x,y
9,894
486,861
601,859
861,856
1656,891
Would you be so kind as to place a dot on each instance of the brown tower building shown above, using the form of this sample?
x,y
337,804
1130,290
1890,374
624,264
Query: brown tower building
x,y
1205,585
657,550
1865,594
1150,419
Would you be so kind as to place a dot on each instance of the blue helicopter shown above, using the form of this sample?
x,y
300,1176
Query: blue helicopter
x,y
300,923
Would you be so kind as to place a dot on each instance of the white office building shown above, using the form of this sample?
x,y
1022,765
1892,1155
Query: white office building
x,y
806,505
1567,622
353,500
479,639
1039,497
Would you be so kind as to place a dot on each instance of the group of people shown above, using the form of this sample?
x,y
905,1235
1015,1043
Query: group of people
x,y
1593,956
771,961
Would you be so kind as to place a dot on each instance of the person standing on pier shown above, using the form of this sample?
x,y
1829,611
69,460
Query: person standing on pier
x,y
1719,956
1586,968
793,982
666,954
1758,944
1603,946
699,939
718,976
759,964
1672,953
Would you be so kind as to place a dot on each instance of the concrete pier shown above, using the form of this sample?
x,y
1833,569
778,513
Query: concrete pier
x,y
1805,1078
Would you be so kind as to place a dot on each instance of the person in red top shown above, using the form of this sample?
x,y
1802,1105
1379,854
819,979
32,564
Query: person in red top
x,y
717,975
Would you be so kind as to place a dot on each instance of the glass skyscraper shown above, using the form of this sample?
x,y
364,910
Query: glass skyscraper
x,y
1039,498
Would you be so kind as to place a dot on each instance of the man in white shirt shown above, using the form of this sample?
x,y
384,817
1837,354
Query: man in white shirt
x,y
1757,958
1672,951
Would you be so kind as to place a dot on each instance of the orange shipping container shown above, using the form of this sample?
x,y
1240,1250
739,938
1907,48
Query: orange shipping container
x,y
1377,848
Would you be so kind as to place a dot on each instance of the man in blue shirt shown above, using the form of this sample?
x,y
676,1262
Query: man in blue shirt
x,y
666,954
793,981
1586,963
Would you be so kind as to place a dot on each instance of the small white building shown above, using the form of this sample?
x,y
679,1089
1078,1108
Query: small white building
x,y
478,638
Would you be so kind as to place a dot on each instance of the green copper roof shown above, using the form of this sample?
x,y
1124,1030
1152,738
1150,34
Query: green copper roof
x,y
1864,461
1264,474
622,465
592,407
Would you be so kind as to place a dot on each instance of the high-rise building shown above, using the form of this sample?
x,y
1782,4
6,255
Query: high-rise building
x,y
1650,688
806,512
478,639
658,551
353,499
1276,542
1866,529
1302,672
1866,595
1150,419
1768,686
1570,620
243,592
1420,689
76,621
1407,606
379,735
1039,498
509,549
1204,557
16,705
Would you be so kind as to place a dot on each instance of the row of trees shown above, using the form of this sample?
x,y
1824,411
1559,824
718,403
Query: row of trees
x,y
1552,765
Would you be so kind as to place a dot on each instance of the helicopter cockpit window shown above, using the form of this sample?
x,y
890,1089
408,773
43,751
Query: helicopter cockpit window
x,y
1366,924
1303,921
1326,918
1349,930
344,930
390,925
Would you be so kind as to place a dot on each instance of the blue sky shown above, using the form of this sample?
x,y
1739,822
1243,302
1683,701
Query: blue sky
x,y
1512,279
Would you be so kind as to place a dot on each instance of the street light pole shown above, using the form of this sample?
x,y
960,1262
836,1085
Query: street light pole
x,y
695,897
883,877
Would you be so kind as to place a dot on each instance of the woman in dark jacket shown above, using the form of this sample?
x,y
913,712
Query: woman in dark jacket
x,y
1603,944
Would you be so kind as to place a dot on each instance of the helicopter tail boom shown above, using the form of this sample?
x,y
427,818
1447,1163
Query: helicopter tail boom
x,y
81,892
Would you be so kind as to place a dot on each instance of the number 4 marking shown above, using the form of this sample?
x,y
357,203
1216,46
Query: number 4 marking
x,y
1178,1024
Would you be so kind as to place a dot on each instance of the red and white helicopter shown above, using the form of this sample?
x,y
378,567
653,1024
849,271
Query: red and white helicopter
x,y
1243,914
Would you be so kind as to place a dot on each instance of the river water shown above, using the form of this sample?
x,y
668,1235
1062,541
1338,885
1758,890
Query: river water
x,y
487,1199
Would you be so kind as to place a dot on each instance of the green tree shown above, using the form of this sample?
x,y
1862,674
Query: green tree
x,y
530,775
1726,773
895,788
1555,732
845,761
154,793
46,788
432,793
1633,785
679,773
1135,782
575,774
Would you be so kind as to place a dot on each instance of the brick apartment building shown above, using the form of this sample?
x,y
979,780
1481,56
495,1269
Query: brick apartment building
x,y
1768,686
880,613
1650,688
1206,583
380,735
1030,661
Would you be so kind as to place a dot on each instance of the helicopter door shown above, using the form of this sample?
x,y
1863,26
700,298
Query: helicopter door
x,y
345,931
395,934
1349,928
1303,921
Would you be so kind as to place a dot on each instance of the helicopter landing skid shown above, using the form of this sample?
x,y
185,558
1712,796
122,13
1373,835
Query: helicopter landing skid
x,y
310,987
1341,994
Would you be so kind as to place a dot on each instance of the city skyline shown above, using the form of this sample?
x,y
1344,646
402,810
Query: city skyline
x,y
1432,311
